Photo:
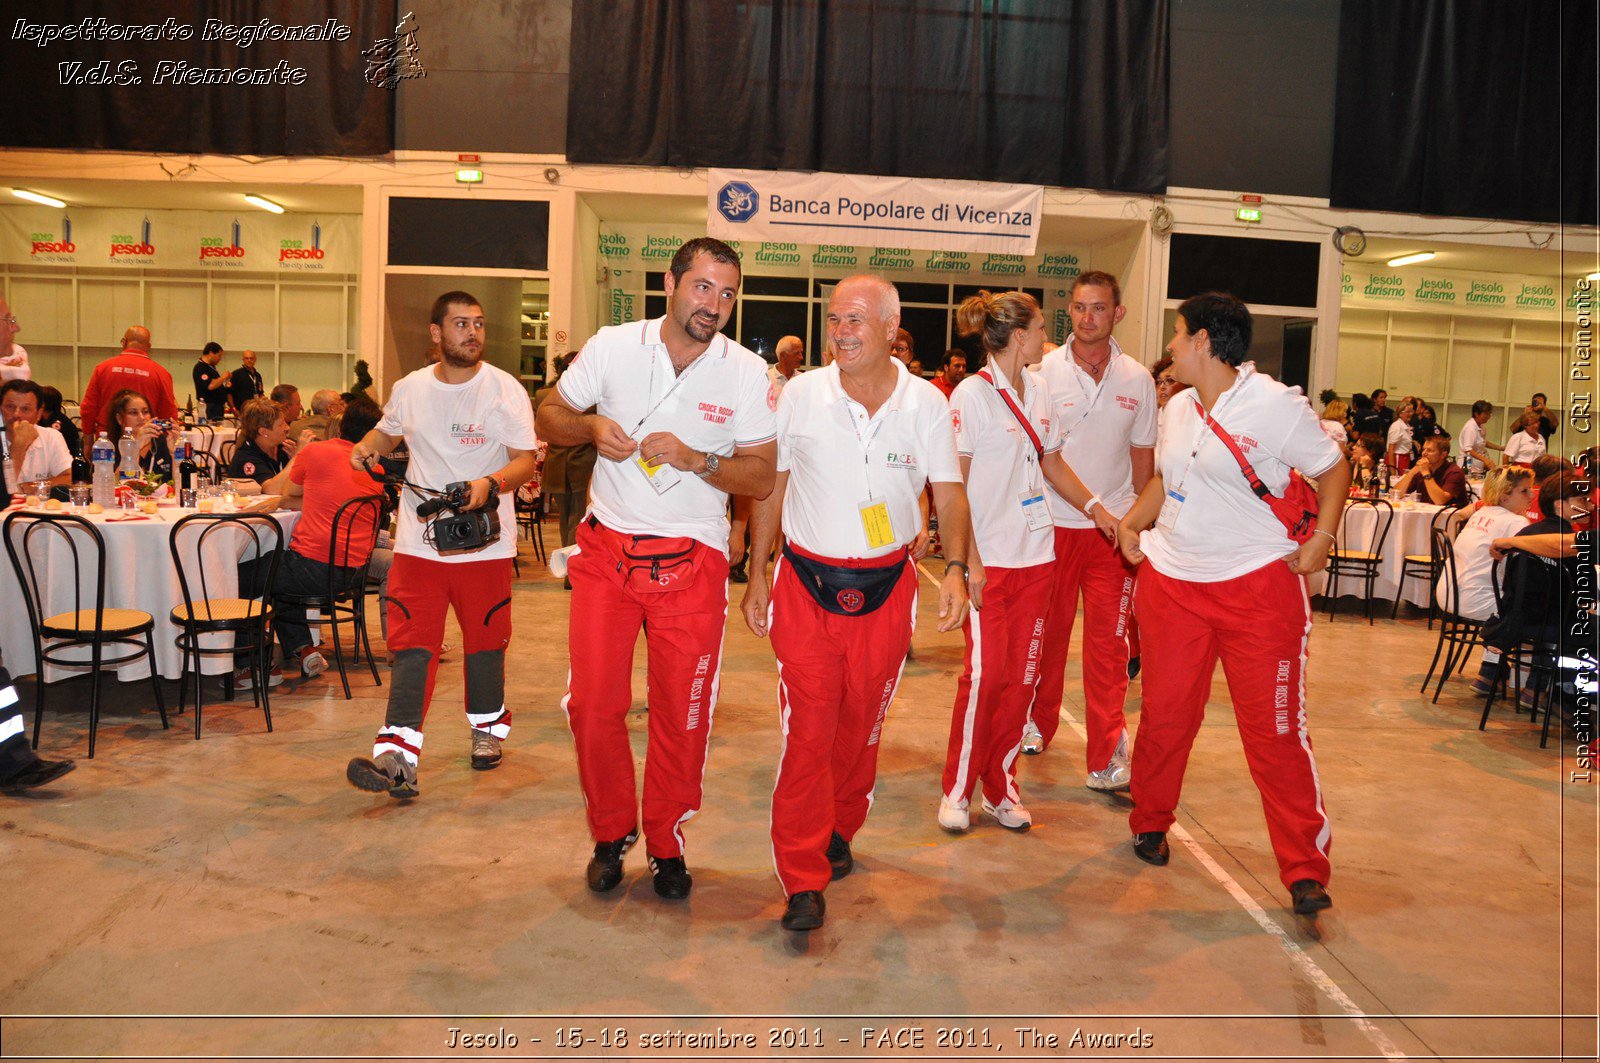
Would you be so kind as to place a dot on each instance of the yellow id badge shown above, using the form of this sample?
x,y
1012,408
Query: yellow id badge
x,y
661,478
876,523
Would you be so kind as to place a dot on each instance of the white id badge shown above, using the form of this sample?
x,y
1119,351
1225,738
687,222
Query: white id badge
x,y
1035,511
661,478
1170,507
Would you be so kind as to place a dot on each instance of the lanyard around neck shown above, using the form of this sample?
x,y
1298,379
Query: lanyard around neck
x,y
654,362
1016,411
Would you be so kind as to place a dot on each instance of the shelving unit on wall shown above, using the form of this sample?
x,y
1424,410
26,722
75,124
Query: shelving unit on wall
x,y
302,327
1452,360
535,325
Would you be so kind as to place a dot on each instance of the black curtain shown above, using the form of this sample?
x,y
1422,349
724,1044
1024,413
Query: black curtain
x,y
1055,92
1468,108
335,111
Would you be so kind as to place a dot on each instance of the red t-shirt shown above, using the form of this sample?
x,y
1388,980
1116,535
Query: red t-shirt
x,y
323,472
131,369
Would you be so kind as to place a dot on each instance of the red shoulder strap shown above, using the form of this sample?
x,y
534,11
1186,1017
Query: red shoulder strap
x,y
1249,471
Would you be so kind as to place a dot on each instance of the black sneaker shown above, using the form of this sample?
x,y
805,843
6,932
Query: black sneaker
x,y
839,858
1151,847
605,867
737,573
37,773
672,877
1309,896
805,910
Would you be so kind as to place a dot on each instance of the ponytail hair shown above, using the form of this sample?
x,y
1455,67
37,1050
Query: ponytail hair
x,y
993,318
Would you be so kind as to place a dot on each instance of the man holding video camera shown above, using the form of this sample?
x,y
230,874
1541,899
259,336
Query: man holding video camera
x,y
469,428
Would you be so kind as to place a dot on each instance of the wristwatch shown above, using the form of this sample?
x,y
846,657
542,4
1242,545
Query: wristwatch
x,y
713,463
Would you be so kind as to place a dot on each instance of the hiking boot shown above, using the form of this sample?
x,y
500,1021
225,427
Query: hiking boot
x,y
388,773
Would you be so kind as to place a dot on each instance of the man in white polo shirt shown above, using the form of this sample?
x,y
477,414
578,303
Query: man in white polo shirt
x,y
685,418
1104,405
30,451
857,441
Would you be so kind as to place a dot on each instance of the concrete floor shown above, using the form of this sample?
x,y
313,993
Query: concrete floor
x,y
220,884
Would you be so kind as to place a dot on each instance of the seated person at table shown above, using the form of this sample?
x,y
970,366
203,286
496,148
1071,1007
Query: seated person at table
x,y
50,416
1541,585
1368,473
129,414
1544,467
323,420
1525,444
264,448
320,476
1506,495
31,453
1435,478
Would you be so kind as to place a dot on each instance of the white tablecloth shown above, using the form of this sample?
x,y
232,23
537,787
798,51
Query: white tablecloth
x,y
1408,534
139,575
210,441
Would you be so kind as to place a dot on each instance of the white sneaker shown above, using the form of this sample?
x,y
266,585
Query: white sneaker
x,y
1010,815
1032,740
1116,776
953,816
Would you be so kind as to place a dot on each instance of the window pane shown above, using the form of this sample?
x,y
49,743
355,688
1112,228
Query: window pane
x,y
765,323
775,286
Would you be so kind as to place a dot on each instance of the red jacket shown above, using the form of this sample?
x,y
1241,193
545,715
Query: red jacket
x,y
131,369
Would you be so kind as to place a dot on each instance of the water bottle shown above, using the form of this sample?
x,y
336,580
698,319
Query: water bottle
x,y
128,458
104,457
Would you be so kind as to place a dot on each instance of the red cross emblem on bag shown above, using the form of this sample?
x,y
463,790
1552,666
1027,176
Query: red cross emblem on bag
x,y
850,601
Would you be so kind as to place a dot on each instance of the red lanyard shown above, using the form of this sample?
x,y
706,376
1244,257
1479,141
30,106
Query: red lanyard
x,y
1016,411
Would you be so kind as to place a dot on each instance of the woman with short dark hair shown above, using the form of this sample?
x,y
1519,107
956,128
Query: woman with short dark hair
x,y
1221,577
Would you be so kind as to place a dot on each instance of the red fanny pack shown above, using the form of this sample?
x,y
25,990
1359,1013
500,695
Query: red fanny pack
x,y
653,564
1296,510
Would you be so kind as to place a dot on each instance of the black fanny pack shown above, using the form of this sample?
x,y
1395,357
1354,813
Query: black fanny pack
x,y
846,591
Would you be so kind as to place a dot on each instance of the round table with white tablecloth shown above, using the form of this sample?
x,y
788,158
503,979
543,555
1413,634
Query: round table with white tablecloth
x,y
210,438
139,575
1408,534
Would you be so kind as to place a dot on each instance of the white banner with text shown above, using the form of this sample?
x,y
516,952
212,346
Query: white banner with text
x,y
833,208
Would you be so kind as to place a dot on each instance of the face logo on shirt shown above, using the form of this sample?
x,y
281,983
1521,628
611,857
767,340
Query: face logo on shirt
x,y
850,601
468,433
773,391
716,414
901,461
1128,402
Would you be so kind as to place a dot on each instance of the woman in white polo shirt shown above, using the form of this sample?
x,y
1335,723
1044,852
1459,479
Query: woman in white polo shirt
x,y
1221,578
1507,496
1526,445
1009,449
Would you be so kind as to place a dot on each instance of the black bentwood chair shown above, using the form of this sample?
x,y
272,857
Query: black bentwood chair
x,y
1459,633
344,597
87,623
1424,566
248,620
1362,565
1530,662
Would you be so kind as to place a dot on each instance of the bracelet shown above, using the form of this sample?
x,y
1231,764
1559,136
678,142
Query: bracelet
x,y
1094,500
962,565
1330,535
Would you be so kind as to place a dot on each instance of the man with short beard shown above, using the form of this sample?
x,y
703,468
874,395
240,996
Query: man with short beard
x,y
462,420
685,418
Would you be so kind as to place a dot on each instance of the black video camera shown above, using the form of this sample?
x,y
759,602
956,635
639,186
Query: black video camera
x,y
460,532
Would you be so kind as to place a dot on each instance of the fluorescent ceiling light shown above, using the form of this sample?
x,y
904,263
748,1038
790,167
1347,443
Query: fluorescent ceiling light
x,y
267,204
1406,260
1593,277
34,197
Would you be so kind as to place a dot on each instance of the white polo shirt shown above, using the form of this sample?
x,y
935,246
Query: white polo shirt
x,y
1097,424
46,459
1400,437
1475,564
838,458
1004,465
1473,438
722,401
1525,447
14,364
1223,530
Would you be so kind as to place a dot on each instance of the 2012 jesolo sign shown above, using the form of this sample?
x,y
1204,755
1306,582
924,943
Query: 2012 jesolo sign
x,y
852,209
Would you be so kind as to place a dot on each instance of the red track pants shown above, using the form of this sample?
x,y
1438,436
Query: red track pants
x,y
1258,624
1086,561
683,638
836,678
997,684
421,592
